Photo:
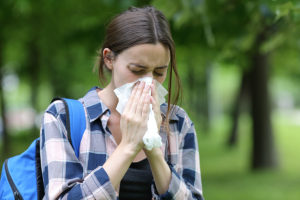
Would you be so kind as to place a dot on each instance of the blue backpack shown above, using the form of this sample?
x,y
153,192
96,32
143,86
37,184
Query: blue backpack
x,y
21,176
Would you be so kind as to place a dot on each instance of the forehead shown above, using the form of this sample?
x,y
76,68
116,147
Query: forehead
x,y
147,54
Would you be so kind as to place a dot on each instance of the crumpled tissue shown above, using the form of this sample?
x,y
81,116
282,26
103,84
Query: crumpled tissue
x,y
151,138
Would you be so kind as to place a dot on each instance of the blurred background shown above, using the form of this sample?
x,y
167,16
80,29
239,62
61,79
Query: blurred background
x,y
240,67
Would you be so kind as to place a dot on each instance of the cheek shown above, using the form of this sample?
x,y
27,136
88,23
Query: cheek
x,y
121,76
161,79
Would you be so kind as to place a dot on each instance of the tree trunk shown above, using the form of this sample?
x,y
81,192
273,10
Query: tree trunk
x,y
244,87
34,69
263,155
5,138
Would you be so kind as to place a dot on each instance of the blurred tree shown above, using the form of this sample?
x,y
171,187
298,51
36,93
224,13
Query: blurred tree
x,y
244,34
53,43
3,107
241,97
6,21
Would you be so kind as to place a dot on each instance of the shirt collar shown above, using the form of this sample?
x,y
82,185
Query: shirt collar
x,y
164,109
94,106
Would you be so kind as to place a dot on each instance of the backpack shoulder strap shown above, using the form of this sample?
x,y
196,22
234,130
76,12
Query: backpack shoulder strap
x,y
75,122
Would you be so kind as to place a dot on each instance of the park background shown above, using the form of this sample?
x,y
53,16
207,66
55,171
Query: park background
x,y
240,67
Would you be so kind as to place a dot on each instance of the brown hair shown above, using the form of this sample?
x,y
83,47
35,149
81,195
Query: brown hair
x,y
141,26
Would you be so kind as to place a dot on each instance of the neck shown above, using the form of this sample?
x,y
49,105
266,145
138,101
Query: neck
x,y
108,97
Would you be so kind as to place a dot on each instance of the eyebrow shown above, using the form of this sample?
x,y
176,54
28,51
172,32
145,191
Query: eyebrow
x,y
144,67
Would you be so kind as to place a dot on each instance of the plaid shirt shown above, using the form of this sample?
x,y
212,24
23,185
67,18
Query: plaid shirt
x,y
68,177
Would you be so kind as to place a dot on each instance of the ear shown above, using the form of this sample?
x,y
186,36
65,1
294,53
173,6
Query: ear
x,y
108,57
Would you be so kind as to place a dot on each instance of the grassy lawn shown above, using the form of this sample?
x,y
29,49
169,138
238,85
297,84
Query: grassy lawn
x,y
226,172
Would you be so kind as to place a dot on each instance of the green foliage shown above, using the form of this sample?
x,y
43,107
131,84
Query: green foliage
x,y
228,28
285,9
47,41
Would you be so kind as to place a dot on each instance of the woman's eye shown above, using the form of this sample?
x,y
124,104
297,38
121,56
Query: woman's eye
x,y
141,72
138,72
158,74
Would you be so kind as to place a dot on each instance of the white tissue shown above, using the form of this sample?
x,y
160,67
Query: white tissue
x,y
151,138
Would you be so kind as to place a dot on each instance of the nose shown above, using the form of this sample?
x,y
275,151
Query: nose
x,y
148,74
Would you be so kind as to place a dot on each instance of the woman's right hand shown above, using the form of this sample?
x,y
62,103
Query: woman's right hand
x,y
134,118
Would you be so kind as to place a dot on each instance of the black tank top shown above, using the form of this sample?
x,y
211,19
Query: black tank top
x,y
136,183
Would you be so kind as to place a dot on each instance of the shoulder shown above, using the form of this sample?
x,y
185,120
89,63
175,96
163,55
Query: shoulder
x,y
55,116
56,108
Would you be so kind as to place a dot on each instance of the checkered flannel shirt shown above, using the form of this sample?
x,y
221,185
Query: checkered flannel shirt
x,y
67,177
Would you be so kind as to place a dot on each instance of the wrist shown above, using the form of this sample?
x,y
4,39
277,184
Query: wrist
x,y
154,153
129,149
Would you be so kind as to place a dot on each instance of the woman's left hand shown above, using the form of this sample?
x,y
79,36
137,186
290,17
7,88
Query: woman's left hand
x,y
155,105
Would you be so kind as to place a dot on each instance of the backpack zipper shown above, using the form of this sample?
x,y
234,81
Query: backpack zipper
x,y
15,190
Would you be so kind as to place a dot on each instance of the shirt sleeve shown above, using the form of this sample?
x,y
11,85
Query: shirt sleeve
x,y
61,170
186,177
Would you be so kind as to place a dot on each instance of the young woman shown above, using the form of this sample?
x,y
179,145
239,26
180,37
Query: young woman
x,y
113,162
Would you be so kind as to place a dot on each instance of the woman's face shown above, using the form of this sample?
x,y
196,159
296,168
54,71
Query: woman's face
x,y
144,60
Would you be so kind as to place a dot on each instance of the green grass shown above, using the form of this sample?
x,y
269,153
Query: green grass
x,y
226,172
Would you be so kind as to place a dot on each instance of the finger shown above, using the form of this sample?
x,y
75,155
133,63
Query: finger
x,y
129,102
135,99
153,92
155,107
154,100
146,108
145,95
